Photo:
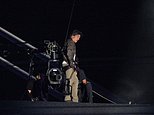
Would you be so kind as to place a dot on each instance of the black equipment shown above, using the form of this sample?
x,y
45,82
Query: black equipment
x,y
54,72
52,49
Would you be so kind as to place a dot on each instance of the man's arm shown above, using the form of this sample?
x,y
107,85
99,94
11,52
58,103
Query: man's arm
x,y
70,52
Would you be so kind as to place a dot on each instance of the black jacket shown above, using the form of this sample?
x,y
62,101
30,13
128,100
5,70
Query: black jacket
x,y
71,51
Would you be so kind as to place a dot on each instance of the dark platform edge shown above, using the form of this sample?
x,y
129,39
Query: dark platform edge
x,y
57,108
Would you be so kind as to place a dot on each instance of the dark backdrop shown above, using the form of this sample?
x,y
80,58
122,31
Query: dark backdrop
x,y
116,50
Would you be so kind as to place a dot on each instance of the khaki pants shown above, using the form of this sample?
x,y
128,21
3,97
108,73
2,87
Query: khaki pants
x,y
74,84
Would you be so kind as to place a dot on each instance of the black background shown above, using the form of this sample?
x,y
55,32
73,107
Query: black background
x,y
116,50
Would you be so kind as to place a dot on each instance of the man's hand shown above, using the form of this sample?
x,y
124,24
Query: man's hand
x,y
84,81
29,91
72,65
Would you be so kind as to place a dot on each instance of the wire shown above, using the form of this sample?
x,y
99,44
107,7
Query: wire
x,y
103,97
70,18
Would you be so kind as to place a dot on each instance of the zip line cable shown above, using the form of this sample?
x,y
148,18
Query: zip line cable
x,y
70,18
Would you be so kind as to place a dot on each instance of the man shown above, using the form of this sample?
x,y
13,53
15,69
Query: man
x,y
85,88
71,73
36,88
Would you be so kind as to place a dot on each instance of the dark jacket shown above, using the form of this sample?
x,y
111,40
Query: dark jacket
x,y
81,75
71,51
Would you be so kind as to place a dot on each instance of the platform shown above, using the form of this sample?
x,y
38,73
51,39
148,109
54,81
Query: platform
x,y
63,108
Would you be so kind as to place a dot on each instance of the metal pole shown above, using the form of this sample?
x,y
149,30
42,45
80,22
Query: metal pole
x,y
15,69
16,40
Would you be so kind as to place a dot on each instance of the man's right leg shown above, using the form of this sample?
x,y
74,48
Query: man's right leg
x,y
89,92
68,76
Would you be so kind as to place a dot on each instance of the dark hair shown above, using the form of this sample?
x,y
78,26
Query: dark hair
x,y
76,32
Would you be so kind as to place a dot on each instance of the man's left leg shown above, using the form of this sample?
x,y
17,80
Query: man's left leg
x,y
75,87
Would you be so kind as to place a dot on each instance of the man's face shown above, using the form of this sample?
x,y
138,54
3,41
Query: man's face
x,y
76,38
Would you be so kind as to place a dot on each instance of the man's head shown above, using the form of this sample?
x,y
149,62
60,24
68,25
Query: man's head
x,y
76,35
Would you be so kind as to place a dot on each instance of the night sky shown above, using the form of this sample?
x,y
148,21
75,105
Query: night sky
x,y
116,50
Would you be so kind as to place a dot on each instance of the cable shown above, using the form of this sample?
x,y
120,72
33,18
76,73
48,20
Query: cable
x,y
103,97
70,18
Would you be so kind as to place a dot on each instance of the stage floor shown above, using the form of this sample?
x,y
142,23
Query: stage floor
x,y
63,108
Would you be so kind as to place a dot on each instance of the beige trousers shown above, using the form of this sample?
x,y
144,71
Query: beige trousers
x,y
72,76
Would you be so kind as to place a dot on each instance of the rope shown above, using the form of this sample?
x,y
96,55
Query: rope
x,y
103,97
69,21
